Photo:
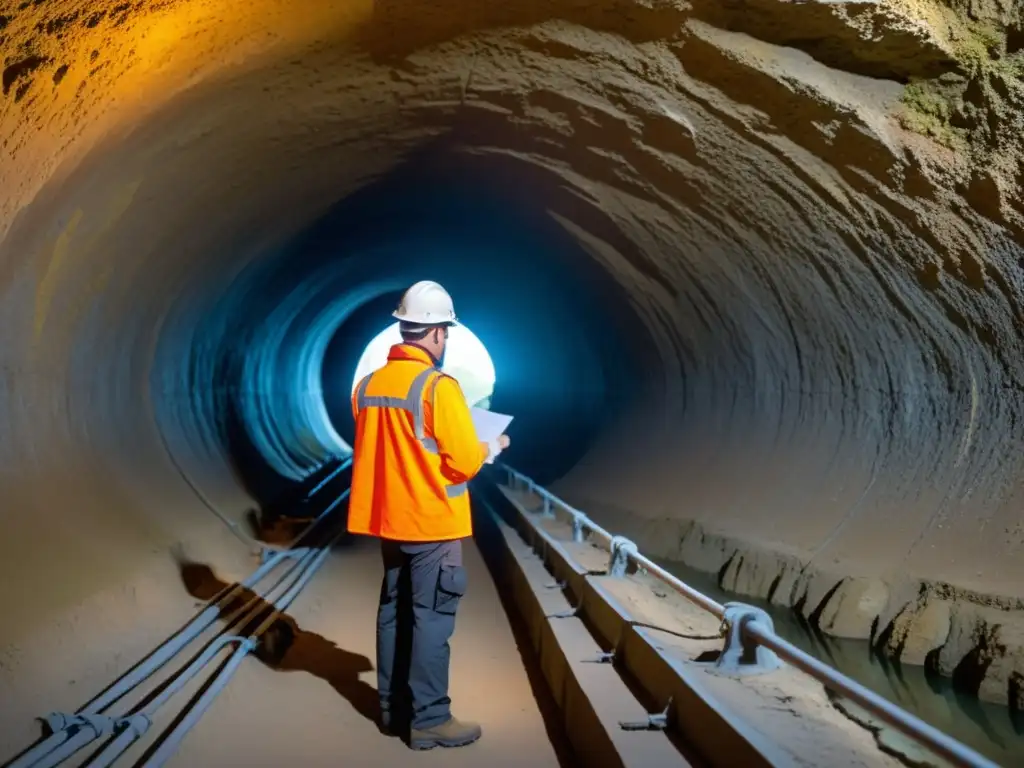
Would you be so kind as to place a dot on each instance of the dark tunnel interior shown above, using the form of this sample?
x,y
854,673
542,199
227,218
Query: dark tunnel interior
x,y
567,349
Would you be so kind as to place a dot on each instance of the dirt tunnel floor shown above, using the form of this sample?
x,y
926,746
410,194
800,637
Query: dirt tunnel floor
x,y
311,716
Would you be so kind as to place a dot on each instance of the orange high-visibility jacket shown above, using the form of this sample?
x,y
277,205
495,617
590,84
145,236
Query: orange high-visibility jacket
x,y
415,450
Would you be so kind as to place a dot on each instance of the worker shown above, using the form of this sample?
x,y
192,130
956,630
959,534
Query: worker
x,y
415,450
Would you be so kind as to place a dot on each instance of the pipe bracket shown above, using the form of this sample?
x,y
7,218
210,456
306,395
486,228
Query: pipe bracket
x,y
563,614
546,509
247,642
621,548
742,655
579,526
267,554
102,725
138,724
655,722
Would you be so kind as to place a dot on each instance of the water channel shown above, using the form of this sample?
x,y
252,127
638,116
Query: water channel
x,y
992,730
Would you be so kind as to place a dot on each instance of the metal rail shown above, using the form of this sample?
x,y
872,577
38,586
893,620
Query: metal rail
x,y
938,742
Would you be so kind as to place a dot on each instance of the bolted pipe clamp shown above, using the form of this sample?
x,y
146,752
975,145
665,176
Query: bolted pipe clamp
x,y
741,654
269,553
545,509
59,721
138,724
579,526
101,725
622,548
249,643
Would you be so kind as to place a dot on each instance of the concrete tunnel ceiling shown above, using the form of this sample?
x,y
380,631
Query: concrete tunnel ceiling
x,y
783,240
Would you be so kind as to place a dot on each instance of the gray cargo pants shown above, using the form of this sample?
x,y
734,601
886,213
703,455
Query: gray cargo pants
x,y
419,596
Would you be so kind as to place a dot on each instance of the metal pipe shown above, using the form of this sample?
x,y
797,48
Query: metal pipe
x,y
200,623
173,740
251,610
40,750
158,658
694,596
943,745
115,749
330,507
65,745
85,735
544,493
306,531
254,606
345,464
208,616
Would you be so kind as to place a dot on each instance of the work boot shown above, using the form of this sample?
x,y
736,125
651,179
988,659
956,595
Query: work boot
x,y
452,733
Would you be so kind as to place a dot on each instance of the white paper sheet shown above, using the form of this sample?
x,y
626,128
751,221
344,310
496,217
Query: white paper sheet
x,y
489,425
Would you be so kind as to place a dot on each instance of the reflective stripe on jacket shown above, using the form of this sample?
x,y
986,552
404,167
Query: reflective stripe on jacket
x,y
415,450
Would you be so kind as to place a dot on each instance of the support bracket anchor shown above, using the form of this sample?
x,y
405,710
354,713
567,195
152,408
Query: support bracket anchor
x,y
621,548
655,722
742,655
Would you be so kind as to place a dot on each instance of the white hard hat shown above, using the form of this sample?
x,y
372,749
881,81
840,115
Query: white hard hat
x,y
426,303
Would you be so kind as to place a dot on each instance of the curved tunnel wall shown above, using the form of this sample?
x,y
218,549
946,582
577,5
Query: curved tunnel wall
x,y
827,356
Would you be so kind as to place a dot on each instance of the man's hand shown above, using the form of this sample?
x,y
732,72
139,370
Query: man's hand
x,y
496,446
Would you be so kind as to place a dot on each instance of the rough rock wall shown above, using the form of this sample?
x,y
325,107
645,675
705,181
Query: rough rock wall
x,y
815,207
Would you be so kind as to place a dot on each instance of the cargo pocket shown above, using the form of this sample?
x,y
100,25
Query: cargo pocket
x,y
451,586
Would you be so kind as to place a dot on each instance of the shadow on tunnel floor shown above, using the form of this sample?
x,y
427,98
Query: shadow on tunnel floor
x,y
285,646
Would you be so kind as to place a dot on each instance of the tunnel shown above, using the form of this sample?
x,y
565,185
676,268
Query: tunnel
x,y
750,274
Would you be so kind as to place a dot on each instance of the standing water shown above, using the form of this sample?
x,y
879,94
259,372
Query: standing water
x,y
992,730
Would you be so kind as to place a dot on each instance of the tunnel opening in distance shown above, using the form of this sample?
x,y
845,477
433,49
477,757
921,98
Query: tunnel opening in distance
x,y
466,360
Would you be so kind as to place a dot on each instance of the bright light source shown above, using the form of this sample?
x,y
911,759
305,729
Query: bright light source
x,y
466,359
